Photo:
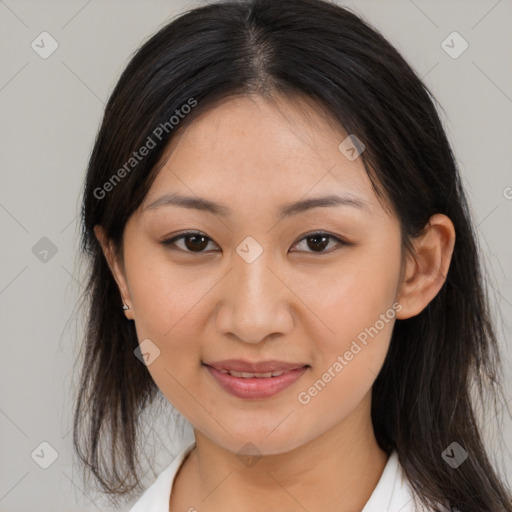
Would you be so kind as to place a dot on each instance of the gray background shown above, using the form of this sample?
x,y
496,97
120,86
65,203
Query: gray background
x,y
50,110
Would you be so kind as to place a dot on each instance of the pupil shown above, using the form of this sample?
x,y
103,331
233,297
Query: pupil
x,y
322,244
193,246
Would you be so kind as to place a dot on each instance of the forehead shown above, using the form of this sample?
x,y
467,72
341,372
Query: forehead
x,y
252,149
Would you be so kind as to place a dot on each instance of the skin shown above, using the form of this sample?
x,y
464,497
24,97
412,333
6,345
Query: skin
x,y
292,304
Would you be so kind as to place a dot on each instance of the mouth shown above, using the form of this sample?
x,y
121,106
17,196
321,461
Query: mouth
x,y
255,380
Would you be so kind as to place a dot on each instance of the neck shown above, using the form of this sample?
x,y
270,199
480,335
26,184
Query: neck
x,y
336,471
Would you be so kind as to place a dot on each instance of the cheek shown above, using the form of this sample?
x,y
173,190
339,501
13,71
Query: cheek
x,y
358,311
355,305
167,302
353,296
165,296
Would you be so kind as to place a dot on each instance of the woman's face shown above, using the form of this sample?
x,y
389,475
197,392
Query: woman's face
x,y
262,281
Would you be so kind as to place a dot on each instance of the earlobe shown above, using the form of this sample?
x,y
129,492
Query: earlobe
x,y
115,268
426,270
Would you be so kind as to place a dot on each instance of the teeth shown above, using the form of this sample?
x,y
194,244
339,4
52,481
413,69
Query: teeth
x,y
247,375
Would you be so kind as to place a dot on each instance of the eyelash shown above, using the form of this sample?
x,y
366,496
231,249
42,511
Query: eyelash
x,y
171,242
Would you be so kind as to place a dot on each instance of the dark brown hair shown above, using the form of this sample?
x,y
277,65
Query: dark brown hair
x,y
422,398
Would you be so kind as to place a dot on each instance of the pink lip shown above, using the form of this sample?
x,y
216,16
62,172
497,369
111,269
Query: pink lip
x,y
256,387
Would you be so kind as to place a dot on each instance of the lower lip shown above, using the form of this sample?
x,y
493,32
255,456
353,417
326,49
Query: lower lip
x,y
255,387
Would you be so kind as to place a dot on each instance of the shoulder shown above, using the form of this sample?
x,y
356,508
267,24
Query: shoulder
x,y
156,497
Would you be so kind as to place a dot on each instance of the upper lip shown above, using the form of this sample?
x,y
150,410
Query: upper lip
x,y
239,365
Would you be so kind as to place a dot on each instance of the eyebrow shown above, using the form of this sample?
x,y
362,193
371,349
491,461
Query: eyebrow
x,y
287,210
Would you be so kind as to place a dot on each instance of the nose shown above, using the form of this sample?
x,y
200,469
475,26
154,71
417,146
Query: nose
x,y
256,303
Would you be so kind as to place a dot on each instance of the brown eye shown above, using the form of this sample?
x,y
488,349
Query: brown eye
x,y
192,242
317,242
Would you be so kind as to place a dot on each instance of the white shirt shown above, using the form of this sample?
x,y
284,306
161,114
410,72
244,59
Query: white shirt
x,y
392,493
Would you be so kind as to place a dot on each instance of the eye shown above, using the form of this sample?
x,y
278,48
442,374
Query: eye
x,y
193,242
320,240
196,242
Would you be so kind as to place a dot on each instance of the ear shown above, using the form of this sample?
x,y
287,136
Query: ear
x,y
426,270
116,268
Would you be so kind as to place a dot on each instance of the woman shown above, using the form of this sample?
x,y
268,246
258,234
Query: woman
x,y
280,245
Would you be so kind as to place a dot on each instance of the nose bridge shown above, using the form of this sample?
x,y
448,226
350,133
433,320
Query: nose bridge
x,y
256,283
255,303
